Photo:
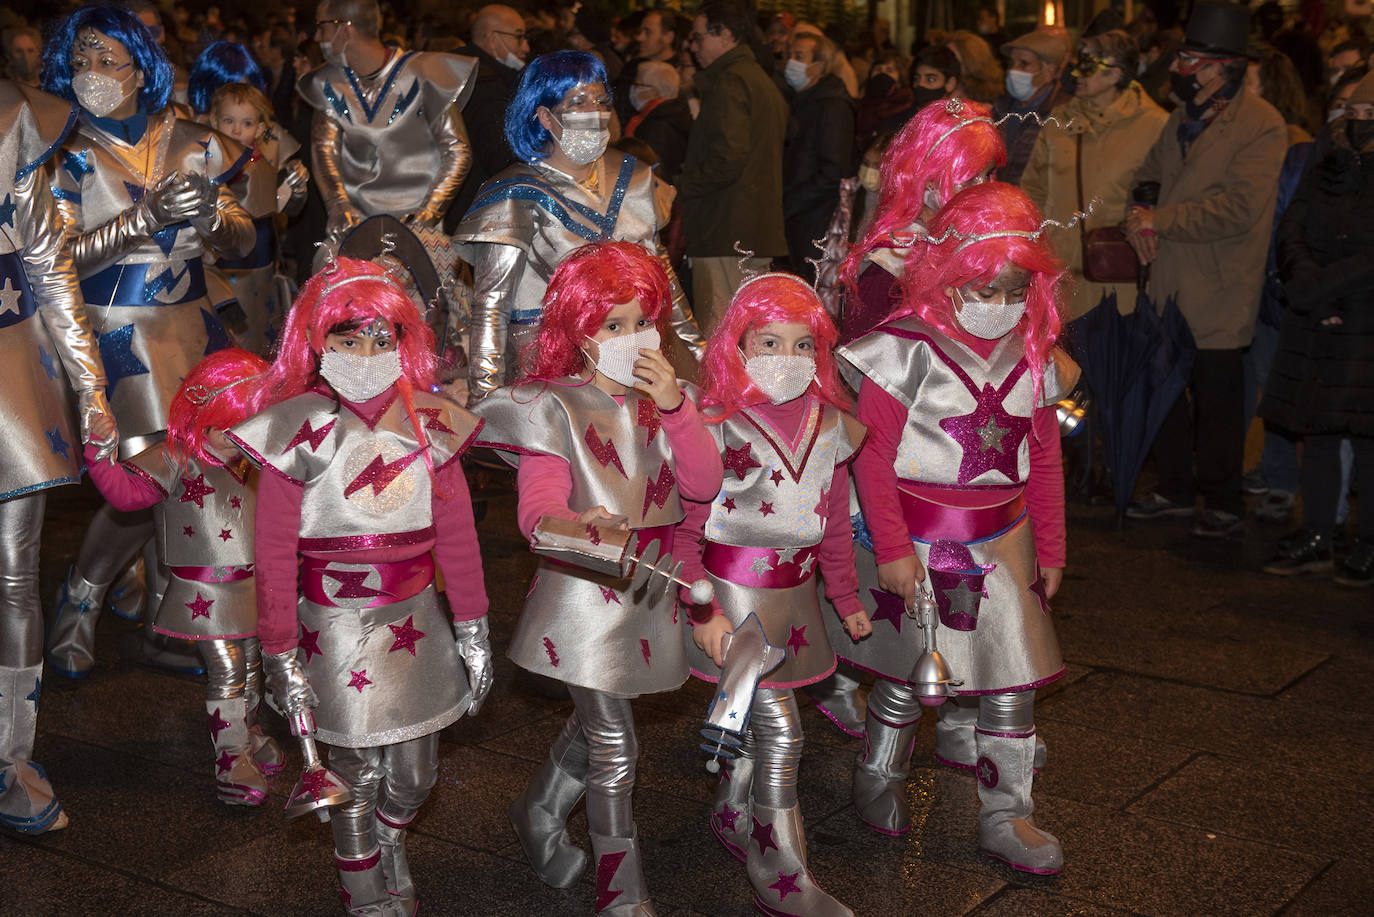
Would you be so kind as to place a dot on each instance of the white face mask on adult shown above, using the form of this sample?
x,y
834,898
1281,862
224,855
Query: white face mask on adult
x,y
100,93
617,356
358,378
988,320
796,75
782,378
1019,85
585,135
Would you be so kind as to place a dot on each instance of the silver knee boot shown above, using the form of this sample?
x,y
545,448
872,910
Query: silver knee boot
x,y
783,886
391,838
1006,751
267,751
71,630
841,699
363,887
238,780
881,769
620,887
733,808
955,745
540,814
27,802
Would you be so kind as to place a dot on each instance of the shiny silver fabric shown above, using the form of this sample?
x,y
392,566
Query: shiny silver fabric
x,y
225,669
731,811
776,746
267,750
362,885
1006,829
21,611
292,694
238,779
608,724
474,646
516,242
71,630
782,882
27,802
620,887
540,813
840,699
955,743
880,771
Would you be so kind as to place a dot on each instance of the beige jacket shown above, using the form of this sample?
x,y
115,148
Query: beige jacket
x,y
1115,140
1215,216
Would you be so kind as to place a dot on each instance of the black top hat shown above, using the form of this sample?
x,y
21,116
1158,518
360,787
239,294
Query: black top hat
x,y
1218,30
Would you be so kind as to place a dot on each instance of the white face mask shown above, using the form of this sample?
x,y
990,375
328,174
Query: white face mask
x,y
337,57
619,354
513,62
795,74
358,378
1019,85
989,320
585,135
781,378
641,96
100,93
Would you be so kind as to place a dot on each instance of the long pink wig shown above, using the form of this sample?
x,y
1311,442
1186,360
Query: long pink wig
x,y
766,299
586,285
947,143
219,392
958,261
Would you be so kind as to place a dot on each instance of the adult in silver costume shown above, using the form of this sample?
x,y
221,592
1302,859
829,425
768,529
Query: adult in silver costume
x,y
143,195
567,191
41,324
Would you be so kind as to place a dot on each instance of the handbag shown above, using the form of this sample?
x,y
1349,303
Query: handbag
x,y
1107,256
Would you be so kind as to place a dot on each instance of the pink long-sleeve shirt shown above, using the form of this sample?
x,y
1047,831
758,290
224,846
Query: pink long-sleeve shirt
x,y
121,488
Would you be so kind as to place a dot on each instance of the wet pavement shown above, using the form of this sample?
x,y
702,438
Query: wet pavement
x,y
1210,751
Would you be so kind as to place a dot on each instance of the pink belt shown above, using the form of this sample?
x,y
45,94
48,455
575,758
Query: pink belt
x,y
771,568
928,520
398,581
213,574
664,534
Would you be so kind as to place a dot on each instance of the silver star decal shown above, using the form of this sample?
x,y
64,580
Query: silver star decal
x,y
991,434
963,598
760,565
786,555
9,298
806,564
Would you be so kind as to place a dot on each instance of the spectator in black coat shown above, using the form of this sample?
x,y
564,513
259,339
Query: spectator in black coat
x,y
661,117
275,50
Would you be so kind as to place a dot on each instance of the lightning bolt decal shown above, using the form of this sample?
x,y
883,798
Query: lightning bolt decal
x,y
604,452
379,474
657,492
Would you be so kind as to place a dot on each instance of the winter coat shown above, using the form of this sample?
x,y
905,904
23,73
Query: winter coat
x,y
1215,216
730,186
1322,378
666,129
1114,141
819,155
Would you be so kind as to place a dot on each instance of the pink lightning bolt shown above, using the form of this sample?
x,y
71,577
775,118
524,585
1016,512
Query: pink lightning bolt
x,y
380,474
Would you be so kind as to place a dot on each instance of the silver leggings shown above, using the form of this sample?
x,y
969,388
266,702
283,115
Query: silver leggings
x,y
394,780
21,613
774,740
226,668
897,704
112,540
608,724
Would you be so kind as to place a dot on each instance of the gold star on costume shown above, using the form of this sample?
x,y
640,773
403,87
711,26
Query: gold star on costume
x,y
9,298
991,434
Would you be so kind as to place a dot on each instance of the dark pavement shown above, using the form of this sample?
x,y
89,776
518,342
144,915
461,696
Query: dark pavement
x,y
1210,753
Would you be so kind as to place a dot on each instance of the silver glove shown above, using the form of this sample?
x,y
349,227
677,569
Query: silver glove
x,y
172,200
291,691
207,194
91,404
475,648
297,176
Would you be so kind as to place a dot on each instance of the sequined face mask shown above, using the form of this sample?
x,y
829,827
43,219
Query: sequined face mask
x,y
100,93
617,355
988,320
585,135
782,378
358,378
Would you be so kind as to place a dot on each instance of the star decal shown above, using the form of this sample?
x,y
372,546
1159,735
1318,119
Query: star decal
x,y
200,608
10,299
56,443
806,564
763,835
658,491
216,724
604,453
78,165
315,783
225,534
195,491
823,507
309,643
46,359
188,531
761,565
216,337
307,434
35,693
225,762
117,353
359,680
797,639
236,502
609,595
890,608
729,504
987,772
766,508
606,866
960,601
787,555
379,474
776,478
7,212
727,815
1038,589
786,885
990,437
646,416
406,636
740,460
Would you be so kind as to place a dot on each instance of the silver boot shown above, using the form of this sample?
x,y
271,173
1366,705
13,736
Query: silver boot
x,y
129,592
71,633
842,700
1005,829
732,809
955,745
267,751
783,886
880,771
540,817
363,887
27,802
391,837
238,780
620,887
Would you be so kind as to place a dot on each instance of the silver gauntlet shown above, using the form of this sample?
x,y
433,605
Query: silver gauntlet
x,y
91,404
291,691
475,648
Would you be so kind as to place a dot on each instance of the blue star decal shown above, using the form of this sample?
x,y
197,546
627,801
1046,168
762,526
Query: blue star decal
x,y
46,359
166,238
78,165
216,338
56,442
7,211
135,191
37,690
117,353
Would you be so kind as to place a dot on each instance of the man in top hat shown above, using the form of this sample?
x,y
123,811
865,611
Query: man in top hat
x,y
1034,83
1202,217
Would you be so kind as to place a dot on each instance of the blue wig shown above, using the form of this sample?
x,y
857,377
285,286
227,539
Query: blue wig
x,y
222,62
124,27
545,82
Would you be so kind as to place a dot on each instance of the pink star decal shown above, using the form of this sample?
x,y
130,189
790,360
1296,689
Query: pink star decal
x,y
776,478
406,636
766,508
609,595
990,437
604,453
823,507
728,817
225,762
658,491
786,885
225,534
379,474
797,639
644,650
1038,589
236,502
740,460
188,531
309,643
763,836
359,680
605,872
729,504
351,584
307,434
315,783
195,491
200,608
890,608
552,652
646,416
216,725
432,421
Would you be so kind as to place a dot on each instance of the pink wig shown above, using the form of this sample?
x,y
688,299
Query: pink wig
x,y
761,301
950,143
586,285
219,392
959,261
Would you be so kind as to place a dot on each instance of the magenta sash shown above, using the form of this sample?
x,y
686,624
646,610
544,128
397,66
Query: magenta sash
x,y
213,574
400,580
763,567
928,520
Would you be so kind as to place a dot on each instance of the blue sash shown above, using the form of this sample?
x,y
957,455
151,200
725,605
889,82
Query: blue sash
x,y
131,285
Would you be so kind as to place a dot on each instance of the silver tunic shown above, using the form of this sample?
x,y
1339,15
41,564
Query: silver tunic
x,y
45,338
529,217
776,496
205,536
145,291
580,627
968,426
